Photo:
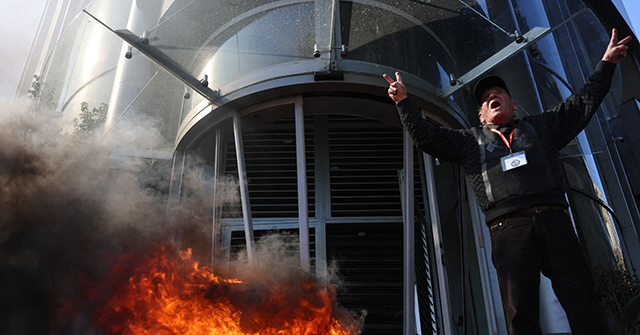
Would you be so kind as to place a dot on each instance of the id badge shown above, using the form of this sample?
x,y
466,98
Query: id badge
x,y
514,160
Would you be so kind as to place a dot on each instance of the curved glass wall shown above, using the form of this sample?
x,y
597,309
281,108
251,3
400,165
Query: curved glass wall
x,y
81,72
280,36
81,67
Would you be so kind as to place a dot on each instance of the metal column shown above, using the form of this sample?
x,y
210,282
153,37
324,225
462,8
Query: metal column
x,y
438,248
217,202
244,186
175,185
303,208
488,275
409,322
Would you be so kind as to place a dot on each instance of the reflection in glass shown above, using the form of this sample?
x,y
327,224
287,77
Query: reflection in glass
x,y
594,225
150,120
281,35
84,58
394,40
91,97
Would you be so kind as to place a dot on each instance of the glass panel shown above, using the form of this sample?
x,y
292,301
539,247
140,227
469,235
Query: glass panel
x,y
224,39
414,36
193,15
139,117
92,98
276,36
85,55
592,39
594,225
88,70
562,61
460,258
395,39
230,38
191,100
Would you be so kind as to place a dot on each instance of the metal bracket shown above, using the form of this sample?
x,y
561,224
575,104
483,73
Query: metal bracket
x,y
163,60
507,52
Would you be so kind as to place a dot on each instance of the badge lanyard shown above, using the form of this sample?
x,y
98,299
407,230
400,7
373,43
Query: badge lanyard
x,y
511,161
504,139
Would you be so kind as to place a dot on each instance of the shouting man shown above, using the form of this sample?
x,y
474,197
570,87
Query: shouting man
x,y
514,168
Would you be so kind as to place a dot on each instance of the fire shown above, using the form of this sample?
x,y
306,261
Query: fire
x,y
171,293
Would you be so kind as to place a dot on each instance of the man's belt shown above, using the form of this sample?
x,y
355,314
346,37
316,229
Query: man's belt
x,y
534,209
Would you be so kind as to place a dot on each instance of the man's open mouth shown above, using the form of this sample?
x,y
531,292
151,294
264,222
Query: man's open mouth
x,y
495,104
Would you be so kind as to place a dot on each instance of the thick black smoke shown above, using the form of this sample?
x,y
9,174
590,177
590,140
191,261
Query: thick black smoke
x,y
69,209
66,203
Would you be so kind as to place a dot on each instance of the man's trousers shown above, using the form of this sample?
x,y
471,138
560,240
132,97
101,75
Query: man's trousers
x,y
526,244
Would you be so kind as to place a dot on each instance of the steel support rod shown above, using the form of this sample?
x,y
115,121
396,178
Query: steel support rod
x,y
175,185
162,60
303,208
244,186
217,202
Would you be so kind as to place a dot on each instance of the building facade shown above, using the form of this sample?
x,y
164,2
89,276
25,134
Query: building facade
x,y
287,97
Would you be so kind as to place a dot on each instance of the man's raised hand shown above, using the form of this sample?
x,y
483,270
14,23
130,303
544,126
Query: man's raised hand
x,y
616,50
396,89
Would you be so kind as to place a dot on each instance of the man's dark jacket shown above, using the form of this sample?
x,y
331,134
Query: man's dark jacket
x,y
541,136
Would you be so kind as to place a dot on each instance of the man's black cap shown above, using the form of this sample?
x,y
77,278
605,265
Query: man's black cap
x,y
487,83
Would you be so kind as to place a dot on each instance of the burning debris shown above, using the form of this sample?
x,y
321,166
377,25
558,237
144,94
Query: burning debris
x,y
85,250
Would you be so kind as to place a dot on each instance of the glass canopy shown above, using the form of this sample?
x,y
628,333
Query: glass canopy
x,y
438,41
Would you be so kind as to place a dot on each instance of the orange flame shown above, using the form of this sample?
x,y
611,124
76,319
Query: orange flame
x,y
175,295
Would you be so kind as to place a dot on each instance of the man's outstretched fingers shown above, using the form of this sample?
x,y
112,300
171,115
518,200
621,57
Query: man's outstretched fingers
x,y
398,78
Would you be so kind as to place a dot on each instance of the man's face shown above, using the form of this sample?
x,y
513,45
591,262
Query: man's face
x,y
497,106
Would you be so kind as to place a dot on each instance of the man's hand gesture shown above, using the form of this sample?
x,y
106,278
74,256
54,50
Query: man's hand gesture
x,y
396,89
616,50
